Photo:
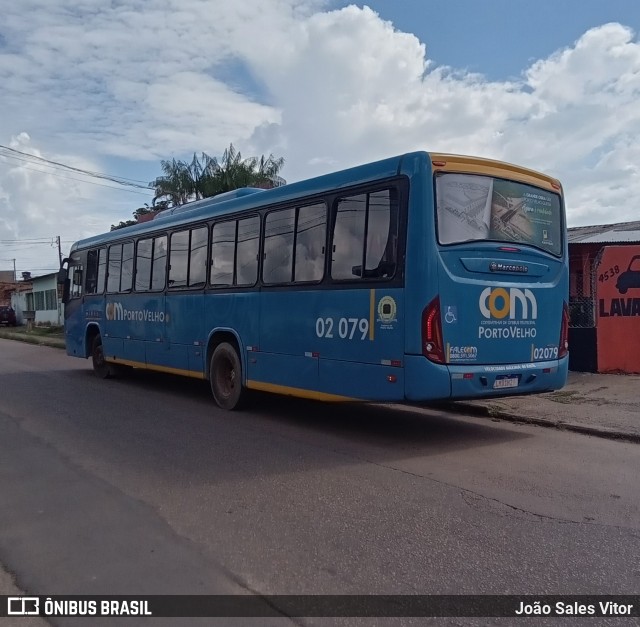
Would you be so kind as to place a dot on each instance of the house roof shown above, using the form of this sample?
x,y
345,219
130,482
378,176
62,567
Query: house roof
x,y
43,276
622,232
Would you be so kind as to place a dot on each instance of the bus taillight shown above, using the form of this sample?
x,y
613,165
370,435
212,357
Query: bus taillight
x,y
563,348
432,345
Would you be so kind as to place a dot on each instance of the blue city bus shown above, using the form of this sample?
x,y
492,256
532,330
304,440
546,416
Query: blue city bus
x,y
420,277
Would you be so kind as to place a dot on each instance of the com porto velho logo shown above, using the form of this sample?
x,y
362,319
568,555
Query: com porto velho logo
x,y
117,311
514,303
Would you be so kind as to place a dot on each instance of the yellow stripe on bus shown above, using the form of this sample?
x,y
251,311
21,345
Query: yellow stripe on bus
x,y
299,392
489,167
372,313
138,364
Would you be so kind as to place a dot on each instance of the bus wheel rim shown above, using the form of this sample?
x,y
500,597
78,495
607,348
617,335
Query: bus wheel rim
x,y
225,377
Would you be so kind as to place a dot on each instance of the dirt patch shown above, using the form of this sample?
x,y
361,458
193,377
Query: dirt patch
x,y
568,397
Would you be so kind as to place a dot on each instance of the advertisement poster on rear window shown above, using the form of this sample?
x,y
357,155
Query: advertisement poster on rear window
x,y
472,207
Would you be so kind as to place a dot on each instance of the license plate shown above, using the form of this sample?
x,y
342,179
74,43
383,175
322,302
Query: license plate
x,y
505,381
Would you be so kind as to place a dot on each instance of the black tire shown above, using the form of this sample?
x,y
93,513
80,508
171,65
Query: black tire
x,y
225,377
101,367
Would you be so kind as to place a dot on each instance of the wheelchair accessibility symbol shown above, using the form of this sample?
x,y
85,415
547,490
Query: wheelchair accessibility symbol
x,y
451,315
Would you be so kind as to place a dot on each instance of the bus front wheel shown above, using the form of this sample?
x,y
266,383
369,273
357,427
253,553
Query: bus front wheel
x,y
225,376
100,366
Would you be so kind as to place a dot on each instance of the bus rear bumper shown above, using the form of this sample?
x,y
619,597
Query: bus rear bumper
x,y
428,381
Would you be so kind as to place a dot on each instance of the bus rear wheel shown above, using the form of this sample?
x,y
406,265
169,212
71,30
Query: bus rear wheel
x,y
101,367
225,376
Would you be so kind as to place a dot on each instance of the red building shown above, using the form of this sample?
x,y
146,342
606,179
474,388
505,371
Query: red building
x,y
604,298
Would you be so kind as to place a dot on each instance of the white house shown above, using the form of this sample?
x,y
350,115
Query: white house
x,y
43,299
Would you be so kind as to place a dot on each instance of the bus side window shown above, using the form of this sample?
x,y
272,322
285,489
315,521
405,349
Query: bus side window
x,y
198,257
144,253
311,228
120,275
179,259
382,234
365,236
102,270
159,267
247,247
126,279
115,261
91,280
223,242
76,282
278,246
234,252
303,262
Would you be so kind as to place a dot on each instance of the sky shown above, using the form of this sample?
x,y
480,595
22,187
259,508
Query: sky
x,y
116,86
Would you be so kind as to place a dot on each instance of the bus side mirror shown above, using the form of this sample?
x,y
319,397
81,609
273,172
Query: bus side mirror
x,y
63,285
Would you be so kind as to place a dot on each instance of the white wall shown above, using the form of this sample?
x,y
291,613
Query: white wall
x,y
19,304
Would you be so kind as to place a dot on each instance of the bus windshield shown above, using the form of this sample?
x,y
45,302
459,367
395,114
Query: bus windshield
x,y
474,207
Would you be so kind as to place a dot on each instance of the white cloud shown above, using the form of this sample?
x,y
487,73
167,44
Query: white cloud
x,y
141,81
361,90
40,202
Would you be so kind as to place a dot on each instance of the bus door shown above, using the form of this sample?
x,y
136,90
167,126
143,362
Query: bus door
x,y
149,328
112,312
74,315
120,319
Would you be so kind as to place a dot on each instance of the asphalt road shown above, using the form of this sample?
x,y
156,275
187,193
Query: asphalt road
x,y
143,486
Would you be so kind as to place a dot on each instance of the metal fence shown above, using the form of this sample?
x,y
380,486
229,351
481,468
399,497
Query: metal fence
x,y
582,290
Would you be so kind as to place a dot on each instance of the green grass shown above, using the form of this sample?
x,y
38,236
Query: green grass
x,y
43,331
50,335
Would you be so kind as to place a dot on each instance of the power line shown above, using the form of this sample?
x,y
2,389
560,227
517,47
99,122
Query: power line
x,y
25,245
70,178
29,240
121,180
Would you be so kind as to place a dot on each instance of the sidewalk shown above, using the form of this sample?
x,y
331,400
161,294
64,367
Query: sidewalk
x,y
605,405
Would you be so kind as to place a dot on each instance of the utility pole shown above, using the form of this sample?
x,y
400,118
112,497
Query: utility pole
x,y
59,250
15,278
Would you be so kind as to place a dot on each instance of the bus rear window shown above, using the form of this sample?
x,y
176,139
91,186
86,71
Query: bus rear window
x,y
472,207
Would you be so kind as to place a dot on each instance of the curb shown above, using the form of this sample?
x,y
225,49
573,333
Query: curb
x,y
502,414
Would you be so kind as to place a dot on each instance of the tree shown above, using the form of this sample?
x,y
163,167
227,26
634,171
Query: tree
x,y
139,212
182,181
205,176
